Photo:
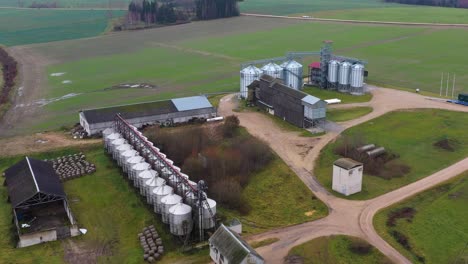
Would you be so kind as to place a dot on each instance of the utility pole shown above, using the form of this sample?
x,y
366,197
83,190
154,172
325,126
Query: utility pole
x,y
441,83
453,88
446,90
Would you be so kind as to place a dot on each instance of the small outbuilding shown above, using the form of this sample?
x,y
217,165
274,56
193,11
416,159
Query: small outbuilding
x,y
347,176
39,204
226,247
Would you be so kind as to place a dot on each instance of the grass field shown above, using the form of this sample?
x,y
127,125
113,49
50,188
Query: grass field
x,y
336,250
277,7
26,26
400,14
70,3
438,232
340,115
411,135
345,98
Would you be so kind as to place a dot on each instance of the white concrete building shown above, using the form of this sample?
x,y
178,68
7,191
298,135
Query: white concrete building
x,y
347,176
226,247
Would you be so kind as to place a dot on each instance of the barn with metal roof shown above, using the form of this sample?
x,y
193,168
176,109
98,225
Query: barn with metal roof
x,y
39,203
226,247
166,112
293,106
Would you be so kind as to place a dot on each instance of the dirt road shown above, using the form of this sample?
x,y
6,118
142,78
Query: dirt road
x,y
346,217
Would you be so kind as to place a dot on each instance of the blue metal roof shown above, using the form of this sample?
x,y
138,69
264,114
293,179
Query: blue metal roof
x,y
310,99
191,103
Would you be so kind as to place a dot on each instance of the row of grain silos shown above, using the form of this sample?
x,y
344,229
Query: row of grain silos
x,y
175,202
346,77
289,71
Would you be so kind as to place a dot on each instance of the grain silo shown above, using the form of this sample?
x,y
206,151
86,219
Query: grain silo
x,y
136,170
180,219
107,132
357,78
167,202
125,156
273,70
120,150
109,139
150,185
293,74
344,74
247,76
191,198
143,177
207,216
159,193
332,77
114,145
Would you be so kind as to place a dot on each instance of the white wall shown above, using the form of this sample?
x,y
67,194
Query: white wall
x,y
347,182
27,240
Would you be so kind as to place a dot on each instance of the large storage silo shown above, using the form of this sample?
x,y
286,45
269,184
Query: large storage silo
x,y
357,78
207,220
166,173
114,145
247,76
273,70
293,74
131,162
126,155
120,150
109,139
344,75
136,170
167,202
159,193
180,219
191,198
150,185
142,177
333,67
107,132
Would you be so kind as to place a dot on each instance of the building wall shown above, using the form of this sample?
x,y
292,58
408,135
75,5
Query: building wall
x,y
171,118
27,240
347,182
252,259
216,256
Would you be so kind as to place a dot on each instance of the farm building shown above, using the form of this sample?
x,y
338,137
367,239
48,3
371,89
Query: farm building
x,y
293,106
165,112
39,204
226,247
347,176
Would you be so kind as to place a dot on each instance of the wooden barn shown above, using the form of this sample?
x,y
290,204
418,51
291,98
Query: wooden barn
x,y
293,106
40,206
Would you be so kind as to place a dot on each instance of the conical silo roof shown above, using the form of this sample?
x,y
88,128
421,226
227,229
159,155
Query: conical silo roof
x,y
180,209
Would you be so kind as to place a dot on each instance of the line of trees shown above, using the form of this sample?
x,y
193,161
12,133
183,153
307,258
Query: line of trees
x,y
152,12
10,70
445,3
212,9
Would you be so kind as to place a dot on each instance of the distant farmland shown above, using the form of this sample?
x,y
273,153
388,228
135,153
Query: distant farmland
x,y
27,26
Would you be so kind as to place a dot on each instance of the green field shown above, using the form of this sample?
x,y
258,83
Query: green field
x,y
438,232
344,97
411,135
399,14
278,7
69,3
26,26
341,115
336,250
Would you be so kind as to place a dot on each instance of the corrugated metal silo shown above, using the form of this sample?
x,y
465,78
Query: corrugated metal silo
x,y
126,155
357,78
344,76
120,150
143,177
180,219
129,163
191,198
159,193
207,220
109,139
136,170
167,202
114,145
247,76
293,74
150,185
333,67
273,70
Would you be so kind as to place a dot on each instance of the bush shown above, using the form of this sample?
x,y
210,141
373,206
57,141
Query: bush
x,y
402,213
230,126
401,239
360,247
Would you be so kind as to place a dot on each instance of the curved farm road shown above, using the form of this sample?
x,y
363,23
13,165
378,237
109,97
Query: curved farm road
x,y
346,217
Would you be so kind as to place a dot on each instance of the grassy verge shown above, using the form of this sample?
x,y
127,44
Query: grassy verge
x,y
268,211
438,231
345,98
337,250
264,242
340,115
410,134
104,204
214,99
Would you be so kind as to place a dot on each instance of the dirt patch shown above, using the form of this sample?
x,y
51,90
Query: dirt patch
x,y
82,252
446,144
40,142
310,213
132,86
293,259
